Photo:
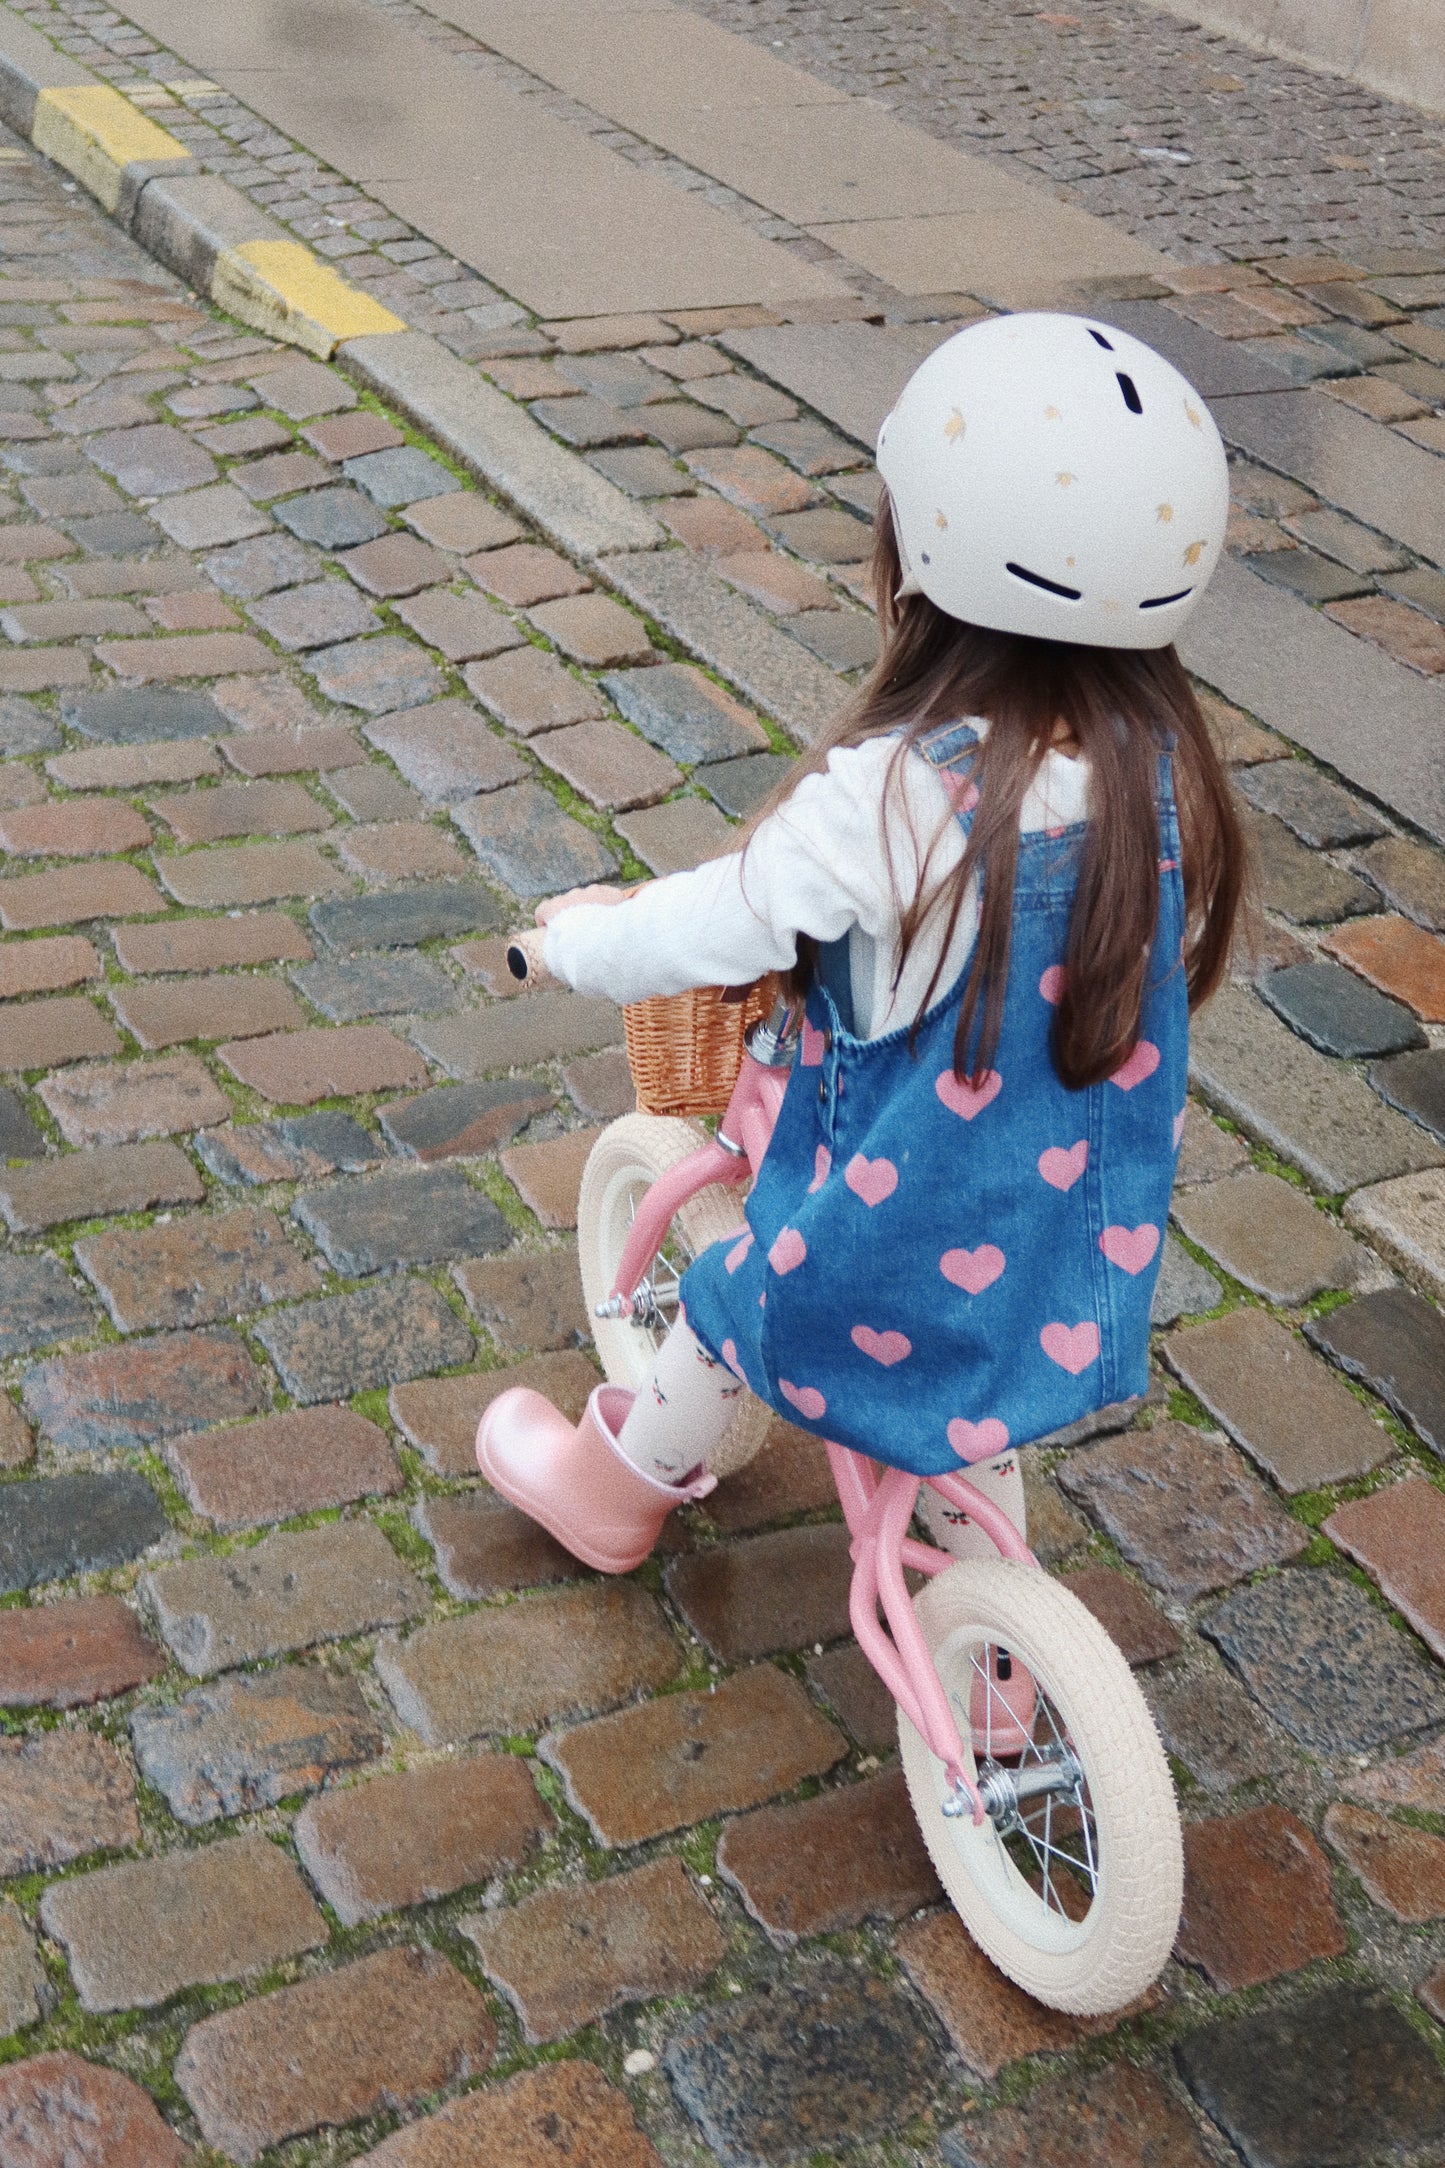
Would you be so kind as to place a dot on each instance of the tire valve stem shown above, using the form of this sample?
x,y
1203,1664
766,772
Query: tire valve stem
x,y
1004,1667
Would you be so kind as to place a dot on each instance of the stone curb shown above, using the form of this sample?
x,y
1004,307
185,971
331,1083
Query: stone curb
x,y
199,227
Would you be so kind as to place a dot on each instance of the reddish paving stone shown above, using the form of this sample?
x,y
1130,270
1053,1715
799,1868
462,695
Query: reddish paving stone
x,y
250,1742
486,961
780,583
302,751
611,767
462,521
439,1416
1122,2116
687,1757
853,1690
752,479
297,1068
72,894
712,528
121,1102
564,2115
674,838
1406,635
138,1933
41,967
290,1592
593,630
529,690
549,1175
485,1547
352,436
1399,957
462,628
790,1475
355,1343
513,1669
565,1957
66,1655
217,1008
831,1862
381,2033
1403,1869
48,669
396,564
191,613
195,1270
135,1394
410,1837
309,1458
73,828
1290,1411
1416,1779
519,1034
527,1300
1398,1536
27,545
460,1120
63,1794
524,574
240,809
786,1590
990,2021
186,655
58,2111
45,1034
1127,1616
401,850
91,1185
1432,1993
211,944
219,880
262,479
1410,877
1257,1899
600,1085
1270,1236
447,750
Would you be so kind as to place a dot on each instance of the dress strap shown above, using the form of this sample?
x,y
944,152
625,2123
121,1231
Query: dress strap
x,y
950,750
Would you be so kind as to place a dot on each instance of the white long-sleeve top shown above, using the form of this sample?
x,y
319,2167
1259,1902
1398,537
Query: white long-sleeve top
x,y
832,860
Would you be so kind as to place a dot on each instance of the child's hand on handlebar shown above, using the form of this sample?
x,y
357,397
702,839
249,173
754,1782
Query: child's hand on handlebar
x,y
596,893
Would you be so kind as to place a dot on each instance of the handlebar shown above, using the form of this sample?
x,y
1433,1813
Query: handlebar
x,y
525,960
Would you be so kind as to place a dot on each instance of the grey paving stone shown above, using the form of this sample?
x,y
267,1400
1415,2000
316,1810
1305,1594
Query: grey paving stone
x,y
1183,1287
1415,1083
1288,1411
684,712
1182,1507
829,2057
297,1149
1325,1662
844,639
1304,573
1323,1118
26,729
357,1343
1208,1721
740,786
315,615
1347,541
124,534
1337,1012
682,427
1353,342
289,1592
1394,1342
402,917
375,1223
1287,2100
1303,887
403,475
250,1742
1269,1236
135,718
463,1119
378,675
642,470
133,1395
485,1547
377,986
263,566
527,1301
585,422
523,837
373,793
806,445
626,379
154,461
1320,813
334,519
38,1304
78,1523
448,750
1410,876
19,1137
519,1034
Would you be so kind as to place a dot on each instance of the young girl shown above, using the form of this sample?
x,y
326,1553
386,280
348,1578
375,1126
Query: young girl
x,y
1003,880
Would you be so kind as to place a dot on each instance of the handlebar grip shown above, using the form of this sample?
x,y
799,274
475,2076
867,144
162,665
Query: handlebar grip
x,y
525,960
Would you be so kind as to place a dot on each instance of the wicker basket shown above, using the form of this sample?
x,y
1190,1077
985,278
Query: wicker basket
x,y
685,1050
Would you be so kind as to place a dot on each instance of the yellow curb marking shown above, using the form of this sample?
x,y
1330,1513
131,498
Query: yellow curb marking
x,y
95,133
281,288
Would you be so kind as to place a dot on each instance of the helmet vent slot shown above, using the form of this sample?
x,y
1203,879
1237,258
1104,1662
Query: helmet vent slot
x,y
1158,602
1050,587
1131,397
1100,340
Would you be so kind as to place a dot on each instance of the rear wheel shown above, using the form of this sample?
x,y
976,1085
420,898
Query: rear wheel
x,y
622,1166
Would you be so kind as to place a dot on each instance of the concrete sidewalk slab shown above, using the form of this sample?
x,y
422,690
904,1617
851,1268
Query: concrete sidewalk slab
x,y
852,373
1349,459
1032,254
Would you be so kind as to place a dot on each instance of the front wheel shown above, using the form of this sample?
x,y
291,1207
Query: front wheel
x,y
628,1157
1073,1884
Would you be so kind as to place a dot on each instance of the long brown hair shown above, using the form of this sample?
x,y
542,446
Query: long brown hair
x,y
1123,706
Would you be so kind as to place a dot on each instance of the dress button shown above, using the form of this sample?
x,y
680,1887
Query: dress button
x,y
822,1091
828,1040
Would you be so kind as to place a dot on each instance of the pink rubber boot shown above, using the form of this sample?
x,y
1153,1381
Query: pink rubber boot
x,y
576,1480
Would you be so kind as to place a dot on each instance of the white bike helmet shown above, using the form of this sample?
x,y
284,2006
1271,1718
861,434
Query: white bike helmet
x,y
1055,477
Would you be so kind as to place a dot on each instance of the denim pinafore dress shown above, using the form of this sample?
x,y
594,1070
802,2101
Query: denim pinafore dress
x,y
932,1272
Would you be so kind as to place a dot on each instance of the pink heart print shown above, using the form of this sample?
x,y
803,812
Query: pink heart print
x,y
965,1098
739,1250
789,1250
1141,1064
1060,1168
887,1348
978,1441
811,1056
963,791
1072,1347
972,1270
1131,1248
870,1179
822,1168
1179,1127
730,1357
1053,982
807,1399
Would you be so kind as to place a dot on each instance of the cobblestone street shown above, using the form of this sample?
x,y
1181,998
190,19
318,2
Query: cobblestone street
x,y
342,1814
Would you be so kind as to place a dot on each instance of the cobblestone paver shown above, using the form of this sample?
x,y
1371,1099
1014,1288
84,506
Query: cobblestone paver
x,y
331,1788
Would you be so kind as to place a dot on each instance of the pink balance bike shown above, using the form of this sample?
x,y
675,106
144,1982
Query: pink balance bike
x,y
1031,1758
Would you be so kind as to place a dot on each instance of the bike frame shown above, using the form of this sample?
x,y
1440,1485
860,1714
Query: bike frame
x,y
877,1504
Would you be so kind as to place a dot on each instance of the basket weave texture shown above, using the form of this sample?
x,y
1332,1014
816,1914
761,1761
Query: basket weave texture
x,y
685,1050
